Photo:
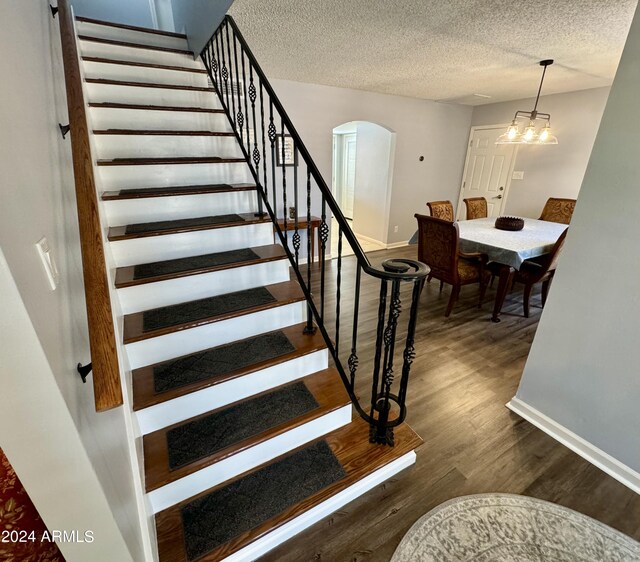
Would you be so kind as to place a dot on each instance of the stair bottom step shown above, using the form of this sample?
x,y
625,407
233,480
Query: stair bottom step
x,y
284,496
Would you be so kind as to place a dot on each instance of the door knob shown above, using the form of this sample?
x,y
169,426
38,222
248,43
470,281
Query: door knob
x,y
501,188
498,197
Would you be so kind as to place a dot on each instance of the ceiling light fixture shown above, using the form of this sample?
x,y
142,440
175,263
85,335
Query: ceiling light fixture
x,y
530,135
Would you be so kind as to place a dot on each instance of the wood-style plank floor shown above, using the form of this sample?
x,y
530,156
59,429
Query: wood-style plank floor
x,y
466,369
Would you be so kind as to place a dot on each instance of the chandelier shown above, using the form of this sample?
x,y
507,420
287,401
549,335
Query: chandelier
x,y
530,135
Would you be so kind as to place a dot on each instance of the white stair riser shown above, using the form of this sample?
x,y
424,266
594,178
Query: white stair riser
x,y
176,344
173,291
143,74
93,49
283,533
148,209
247,459
115,118
166,175
150,96
165,146
171,246
130,36
179,409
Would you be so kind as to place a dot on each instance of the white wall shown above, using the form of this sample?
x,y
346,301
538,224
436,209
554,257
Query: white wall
x,y
582,371
555,170
38,199
375,147
198,19
437,131
131,12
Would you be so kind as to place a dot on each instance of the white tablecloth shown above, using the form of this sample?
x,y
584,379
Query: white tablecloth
x,y
507,247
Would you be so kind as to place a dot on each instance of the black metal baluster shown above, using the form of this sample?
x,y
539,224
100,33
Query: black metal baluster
x,y
324,235
233,101
225,71
284,180
246,98
215,67
352,362
272,139
409,353
264,148
338,281
256,153
382,309
240,116
309,328
296,234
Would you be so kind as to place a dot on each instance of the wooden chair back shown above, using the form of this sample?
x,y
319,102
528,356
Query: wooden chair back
x,y
559,210
476,208
441,210
438,241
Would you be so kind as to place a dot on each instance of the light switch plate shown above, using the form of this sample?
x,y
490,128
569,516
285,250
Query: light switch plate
x,y
517,176
49,264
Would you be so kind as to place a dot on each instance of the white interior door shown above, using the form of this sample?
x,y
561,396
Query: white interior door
x,y
348,175
488,171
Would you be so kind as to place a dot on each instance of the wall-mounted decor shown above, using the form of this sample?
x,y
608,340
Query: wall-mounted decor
x,y
290,155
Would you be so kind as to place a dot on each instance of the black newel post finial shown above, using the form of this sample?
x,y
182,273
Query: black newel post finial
x,y
54,10
64,129
84,371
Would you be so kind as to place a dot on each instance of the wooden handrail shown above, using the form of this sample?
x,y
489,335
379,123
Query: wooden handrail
x,y
102,339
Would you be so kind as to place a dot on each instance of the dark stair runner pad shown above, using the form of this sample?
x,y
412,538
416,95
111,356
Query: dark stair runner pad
x,y
172,189
181,223
218,361
205,436
169,267
218,517
204,308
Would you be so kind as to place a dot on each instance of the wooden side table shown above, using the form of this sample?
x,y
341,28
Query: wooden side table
x,y
302,226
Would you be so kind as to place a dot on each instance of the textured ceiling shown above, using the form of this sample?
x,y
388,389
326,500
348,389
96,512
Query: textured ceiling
x,y
445,50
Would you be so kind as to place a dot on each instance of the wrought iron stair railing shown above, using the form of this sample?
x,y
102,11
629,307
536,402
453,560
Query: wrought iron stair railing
x,y
285,174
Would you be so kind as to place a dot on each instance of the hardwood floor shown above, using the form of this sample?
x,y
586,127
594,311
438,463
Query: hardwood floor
x,y
466,369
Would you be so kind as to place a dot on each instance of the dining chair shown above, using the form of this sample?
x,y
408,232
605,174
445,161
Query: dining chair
x,y
540,270
441,210
438,247
476,208
559,210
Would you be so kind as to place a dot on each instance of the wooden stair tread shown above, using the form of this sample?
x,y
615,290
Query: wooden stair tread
x,y
134,45
170,160
182,225
131,27
111,82
284,293
172,191
137,106
104,60
163,133
325,386
358,458
145,395
125,276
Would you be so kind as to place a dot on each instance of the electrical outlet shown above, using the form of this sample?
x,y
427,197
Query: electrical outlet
x,y
395,228
517,176
50,268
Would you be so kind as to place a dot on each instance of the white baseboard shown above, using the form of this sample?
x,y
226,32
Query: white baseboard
x,y
370,240
397,245
605,462
292,528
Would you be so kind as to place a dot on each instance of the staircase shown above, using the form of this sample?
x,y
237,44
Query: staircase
x,y
247,431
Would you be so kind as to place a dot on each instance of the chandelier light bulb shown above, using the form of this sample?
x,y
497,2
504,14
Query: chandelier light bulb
x,y
512,131
529,132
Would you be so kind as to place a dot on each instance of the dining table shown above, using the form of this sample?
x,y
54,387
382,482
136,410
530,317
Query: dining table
x,y
508,248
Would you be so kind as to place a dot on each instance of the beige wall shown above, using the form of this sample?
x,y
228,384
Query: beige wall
x,y
582,371
550,171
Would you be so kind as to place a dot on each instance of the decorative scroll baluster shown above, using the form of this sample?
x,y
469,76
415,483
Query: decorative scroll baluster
x,y
246,97
309,328
224,72
272,140
382,310
409,353
264,146
284,180
230,83
240,116
324,235
352,362
296,234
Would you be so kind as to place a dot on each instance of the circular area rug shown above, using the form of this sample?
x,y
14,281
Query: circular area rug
x,y
509,528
